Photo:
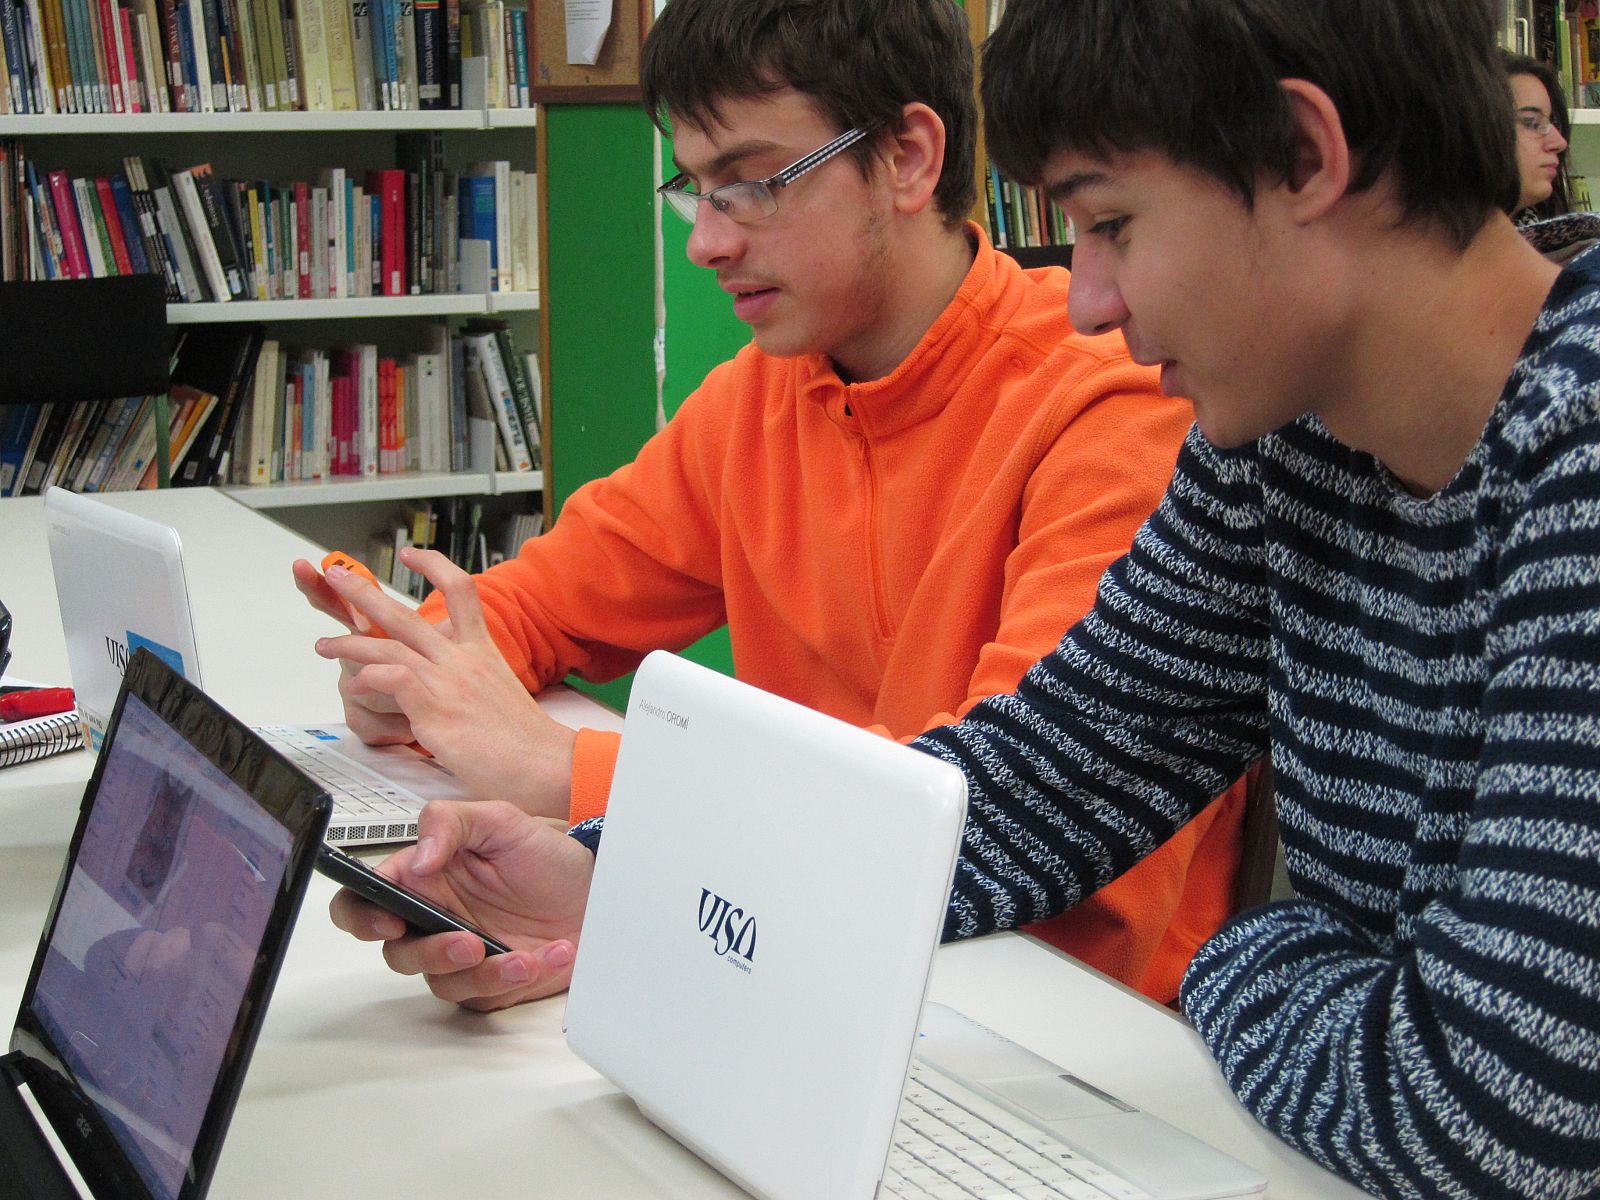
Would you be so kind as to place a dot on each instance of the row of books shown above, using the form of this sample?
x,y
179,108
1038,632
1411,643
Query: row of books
x,y
394,232
132,56
111,445
1019,216
1022,216
457,527
245,408
467,401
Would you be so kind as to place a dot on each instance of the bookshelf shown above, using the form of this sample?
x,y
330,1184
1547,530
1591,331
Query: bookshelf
x,y
296,145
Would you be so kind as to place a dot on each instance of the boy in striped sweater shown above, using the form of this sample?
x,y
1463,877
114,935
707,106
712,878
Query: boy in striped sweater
x,y
1379,560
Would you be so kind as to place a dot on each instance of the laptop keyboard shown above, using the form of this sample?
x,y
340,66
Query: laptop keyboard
x,y
952,1144
386,810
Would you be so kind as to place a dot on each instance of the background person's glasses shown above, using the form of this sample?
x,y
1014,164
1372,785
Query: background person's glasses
x,y
1535,123
750,200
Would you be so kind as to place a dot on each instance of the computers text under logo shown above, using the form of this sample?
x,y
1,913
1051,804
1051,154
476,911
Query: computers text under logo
x,y
732,930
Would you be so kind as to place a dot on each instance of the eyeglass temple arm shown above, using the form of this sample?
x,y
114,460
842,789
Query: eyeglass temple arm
x,y
818,157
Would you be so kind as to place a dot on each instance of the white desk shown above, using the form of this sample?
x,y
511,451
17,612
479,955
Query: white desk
x,y
363,1085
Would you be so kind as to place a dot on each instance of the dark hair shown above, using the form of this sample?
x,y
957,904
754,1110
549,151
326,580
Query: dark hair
x,y
860,61
1416,84
1558,203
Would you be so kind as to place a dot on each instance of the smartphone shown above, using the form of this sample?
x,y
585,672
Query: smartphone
x,y
424,916
338,558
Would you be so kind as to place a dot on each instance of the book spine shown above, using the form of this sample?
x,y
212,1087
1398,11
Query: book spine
x,y
268,33
35,40
248,66
519,54
516,375
110,25
302,240
341,35
452,53
128,59
113,223
93,244
287,40
172,44
67,221
94,56
198,52
482,349
130,226
361,53
176,232
428,19
406,52
187,192
157,250
219,226
313,55
56,34
73,57
212,33
11,31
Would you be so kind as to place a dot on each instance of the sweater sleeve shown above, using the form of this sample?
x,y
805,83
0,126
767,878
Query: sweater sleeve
x,y
1148,708
1466,1062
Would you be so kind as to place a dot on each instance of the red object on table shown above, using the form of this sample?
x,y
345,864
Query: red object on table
x,y
38,702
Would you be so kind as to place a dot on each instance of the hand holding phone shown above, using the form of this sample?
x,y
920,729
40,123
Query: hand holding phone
x,y
422,915
363,623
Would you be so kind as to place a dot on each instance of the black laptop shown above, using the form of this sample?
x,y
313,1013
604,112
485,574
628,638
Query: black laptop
x,y
192,851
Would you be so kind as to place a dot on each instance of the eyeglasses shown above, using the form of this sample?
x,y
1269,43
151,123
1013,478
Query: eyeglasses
x,y
750,200
1535,122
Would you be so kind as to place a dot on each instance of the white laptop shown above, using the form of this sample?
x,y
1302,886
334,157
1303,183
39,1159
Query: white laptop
x,y
120,584
755,953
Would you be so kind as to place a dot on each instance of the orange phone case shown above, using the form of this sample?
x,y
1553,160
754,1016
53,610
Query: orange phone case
x,y
338,558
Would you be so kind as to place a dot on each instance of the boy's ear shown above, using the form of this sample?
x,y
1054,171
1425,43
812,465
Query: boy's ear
x,y
914,157
1319,175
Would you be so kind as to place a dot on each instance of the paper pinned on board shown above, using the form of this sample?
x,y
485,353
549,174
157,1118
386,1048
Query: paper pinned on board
x,y
588,22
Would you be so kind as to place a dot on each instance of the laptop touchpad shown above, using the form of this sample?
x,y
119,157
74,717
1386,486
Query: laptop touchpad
x,y
1057,1097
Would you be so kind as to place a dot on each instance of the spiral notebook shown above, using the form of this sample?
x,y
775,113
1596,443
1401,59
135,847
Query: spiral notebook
x,y
39,737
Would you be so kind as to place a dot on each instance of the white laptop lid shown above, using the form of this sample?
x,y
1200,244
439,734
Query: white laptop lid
x,y
120,583
766,902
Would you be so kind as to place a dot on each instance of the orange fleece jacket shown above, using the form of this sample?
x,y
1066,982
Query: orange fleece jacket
x,y
888,552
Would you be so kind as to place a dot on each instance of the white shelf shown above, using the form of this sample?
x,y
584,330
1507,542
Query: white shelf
x,y
1584,116
266,122
503,302
511,118
440,304
507,483
411,486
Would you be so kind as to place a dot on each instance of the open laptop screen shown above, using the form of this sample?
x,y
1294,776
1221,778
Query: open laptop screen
x,y
166,935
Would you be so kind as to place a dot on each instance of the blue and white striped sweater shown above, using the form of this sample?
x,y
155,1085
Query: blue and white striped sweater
x,y
1425,1017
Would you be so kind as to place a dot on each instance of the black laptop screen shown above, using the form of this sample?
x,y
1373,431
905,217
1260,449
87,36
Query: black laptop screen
x,y
155,940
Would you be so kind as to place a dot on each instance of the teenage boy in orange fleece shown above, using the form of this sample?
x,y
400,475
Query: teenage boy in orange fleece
x,y
897,498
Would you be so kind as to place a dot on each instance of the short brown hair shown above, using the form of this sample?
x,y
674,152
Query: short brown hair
x,y
1416,82
861,61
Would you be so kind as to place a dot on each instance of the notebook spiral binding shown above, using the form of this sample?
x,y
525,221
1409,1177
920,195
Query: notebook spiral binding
x,y
25,741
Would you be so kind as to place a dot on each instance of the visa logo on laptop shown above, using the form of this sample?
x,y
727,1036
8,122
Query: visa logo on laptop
x,y
730,929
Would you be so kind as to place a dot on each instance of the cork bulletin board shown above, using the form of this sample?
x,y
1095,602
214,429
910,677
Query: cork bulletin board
x,y
613,79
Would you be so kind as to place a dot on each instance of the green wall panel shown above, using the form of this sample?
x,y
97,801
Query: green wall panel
x,y
601,296
599,210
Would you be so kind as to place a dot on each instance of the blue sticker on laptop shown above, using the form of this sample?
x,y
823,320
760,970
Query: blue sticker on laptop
x,y
166,654
322,735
